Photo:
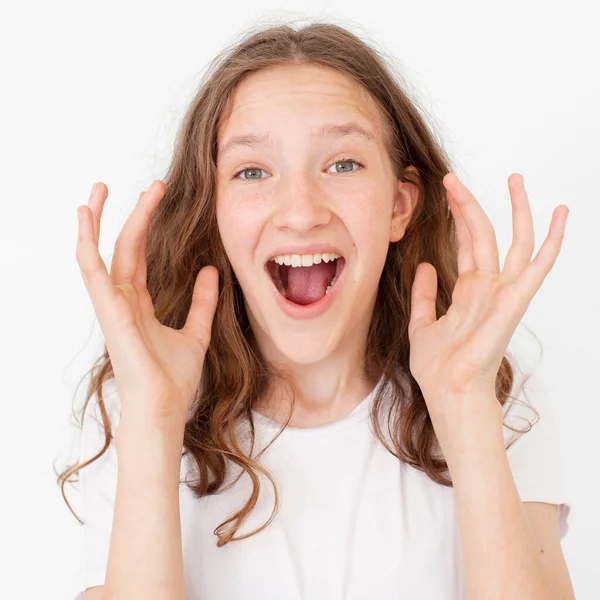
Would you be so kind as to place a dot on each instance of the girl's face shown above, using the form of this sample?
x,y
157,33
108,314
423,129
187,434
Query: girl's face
x,y
302,170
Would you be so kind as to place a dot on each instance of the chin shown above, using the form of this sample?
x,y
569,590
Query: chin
x,y
304,348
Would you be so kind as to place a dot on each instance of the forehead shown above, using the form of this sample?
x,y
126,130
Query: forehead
x,y
299,94
307,79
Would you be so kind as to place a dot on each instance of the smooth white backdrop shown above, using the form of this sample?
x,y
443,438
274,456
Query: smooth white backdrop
x,y
95,93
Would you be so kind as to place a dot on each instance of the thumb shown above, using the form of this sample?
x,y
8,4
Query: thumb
x,y
423,297
198,324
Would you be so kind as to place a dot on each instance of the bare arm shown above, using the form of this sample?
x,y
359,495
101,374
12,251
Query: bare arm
x,y
501,556
145,555
158,371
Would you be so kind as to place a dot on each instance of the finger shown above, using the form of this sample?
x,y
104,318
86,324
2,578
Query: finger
x,y
423,297
522,246
127,246
93,269
95,203
140,276
485,247
104,296
466,262
532,278
198,324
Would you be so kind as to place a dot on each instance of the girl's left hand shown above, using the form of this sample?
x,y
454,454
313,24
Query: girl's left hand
x,y
455,359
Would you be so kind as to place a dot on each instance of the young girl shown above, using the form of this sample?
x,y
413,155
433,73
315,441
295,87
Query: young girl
x,y
305,382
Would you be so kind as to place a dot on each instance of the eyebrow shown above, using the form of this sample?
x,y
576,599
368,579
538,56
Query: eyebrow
x,y
253,140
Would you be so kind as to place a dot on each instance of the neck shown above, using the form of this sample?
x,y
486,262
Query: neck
x,y
317,393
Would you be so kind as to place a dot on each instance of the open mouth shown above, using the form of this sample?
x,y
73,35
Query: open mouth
x,y
305,284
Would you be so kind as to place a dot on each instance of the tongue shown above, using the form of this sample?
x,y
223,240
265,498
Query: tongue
x,y
305,285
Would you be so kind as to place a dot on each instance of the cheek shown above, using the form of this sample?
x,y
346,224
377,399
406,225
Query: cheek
x,y
368,224
239,225
367,218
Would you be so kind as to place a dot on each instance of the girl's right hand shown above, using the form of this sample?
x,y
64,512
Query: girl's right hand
x,y
157,369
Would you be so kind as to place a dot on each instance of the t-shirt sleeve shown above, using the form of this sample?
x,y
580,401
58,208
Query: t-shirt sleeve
x,y
97,486
535,457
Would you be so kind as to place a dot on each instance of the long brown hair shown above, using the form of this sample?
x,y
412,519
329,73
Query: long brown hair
x,y
183,237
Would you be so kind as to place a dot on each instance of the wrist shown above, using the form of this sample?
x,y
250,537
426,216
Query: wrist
x,y
149,428
469,446
468,427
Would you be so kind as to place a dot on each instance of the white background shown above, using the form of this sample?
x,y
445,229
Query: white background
x,y
95,93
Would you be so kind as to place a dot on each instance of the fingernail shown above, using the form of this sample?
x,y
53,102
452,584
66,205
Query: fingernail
x,y
151,185
93,190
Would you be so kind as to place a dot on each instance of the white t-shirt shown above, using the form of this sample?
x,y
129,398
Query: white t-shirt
x,y
353,522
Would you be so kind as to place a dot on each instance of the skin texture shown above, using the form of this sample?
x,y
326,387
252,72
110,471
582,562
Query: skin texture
x,y
298,197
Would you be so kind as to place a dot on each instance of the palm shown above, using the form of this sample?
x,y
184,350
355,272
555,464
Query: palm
x,y
461,352
464,345
169,359
156,364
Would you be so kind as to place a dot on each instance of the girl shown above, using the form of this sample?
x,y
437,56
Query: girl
x,y
310,306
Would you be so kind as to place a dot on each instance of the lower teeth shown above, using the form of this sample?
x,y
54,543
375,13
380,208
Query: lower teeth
x,y
330,285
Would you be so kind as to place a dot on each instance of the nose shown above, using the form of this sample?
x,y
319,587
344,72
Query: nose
x,y
301,205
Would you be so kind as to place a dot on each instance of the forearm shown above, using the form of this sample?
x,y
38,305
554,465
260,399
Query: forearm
x,y
145,555
500,557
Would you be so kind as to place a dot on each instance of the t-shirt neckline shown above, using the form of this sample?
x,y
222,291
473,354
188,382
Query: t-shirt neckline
x,y
360,412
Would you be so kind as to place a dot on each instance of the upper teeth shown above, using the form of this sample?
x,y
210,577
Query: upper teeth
x,y
304,260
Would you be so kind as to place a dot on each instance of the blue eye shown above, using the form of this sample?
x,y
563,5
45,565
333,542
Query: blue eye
x,y
250,168
347,161
342,161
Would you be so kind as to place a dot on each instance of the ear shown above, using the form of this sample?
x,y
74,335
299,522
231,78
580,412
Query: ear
x,y
407,196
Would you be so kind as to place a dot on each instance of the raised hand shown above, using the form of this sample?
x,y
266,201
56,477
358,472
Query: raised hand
x,y
455,359
157,368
